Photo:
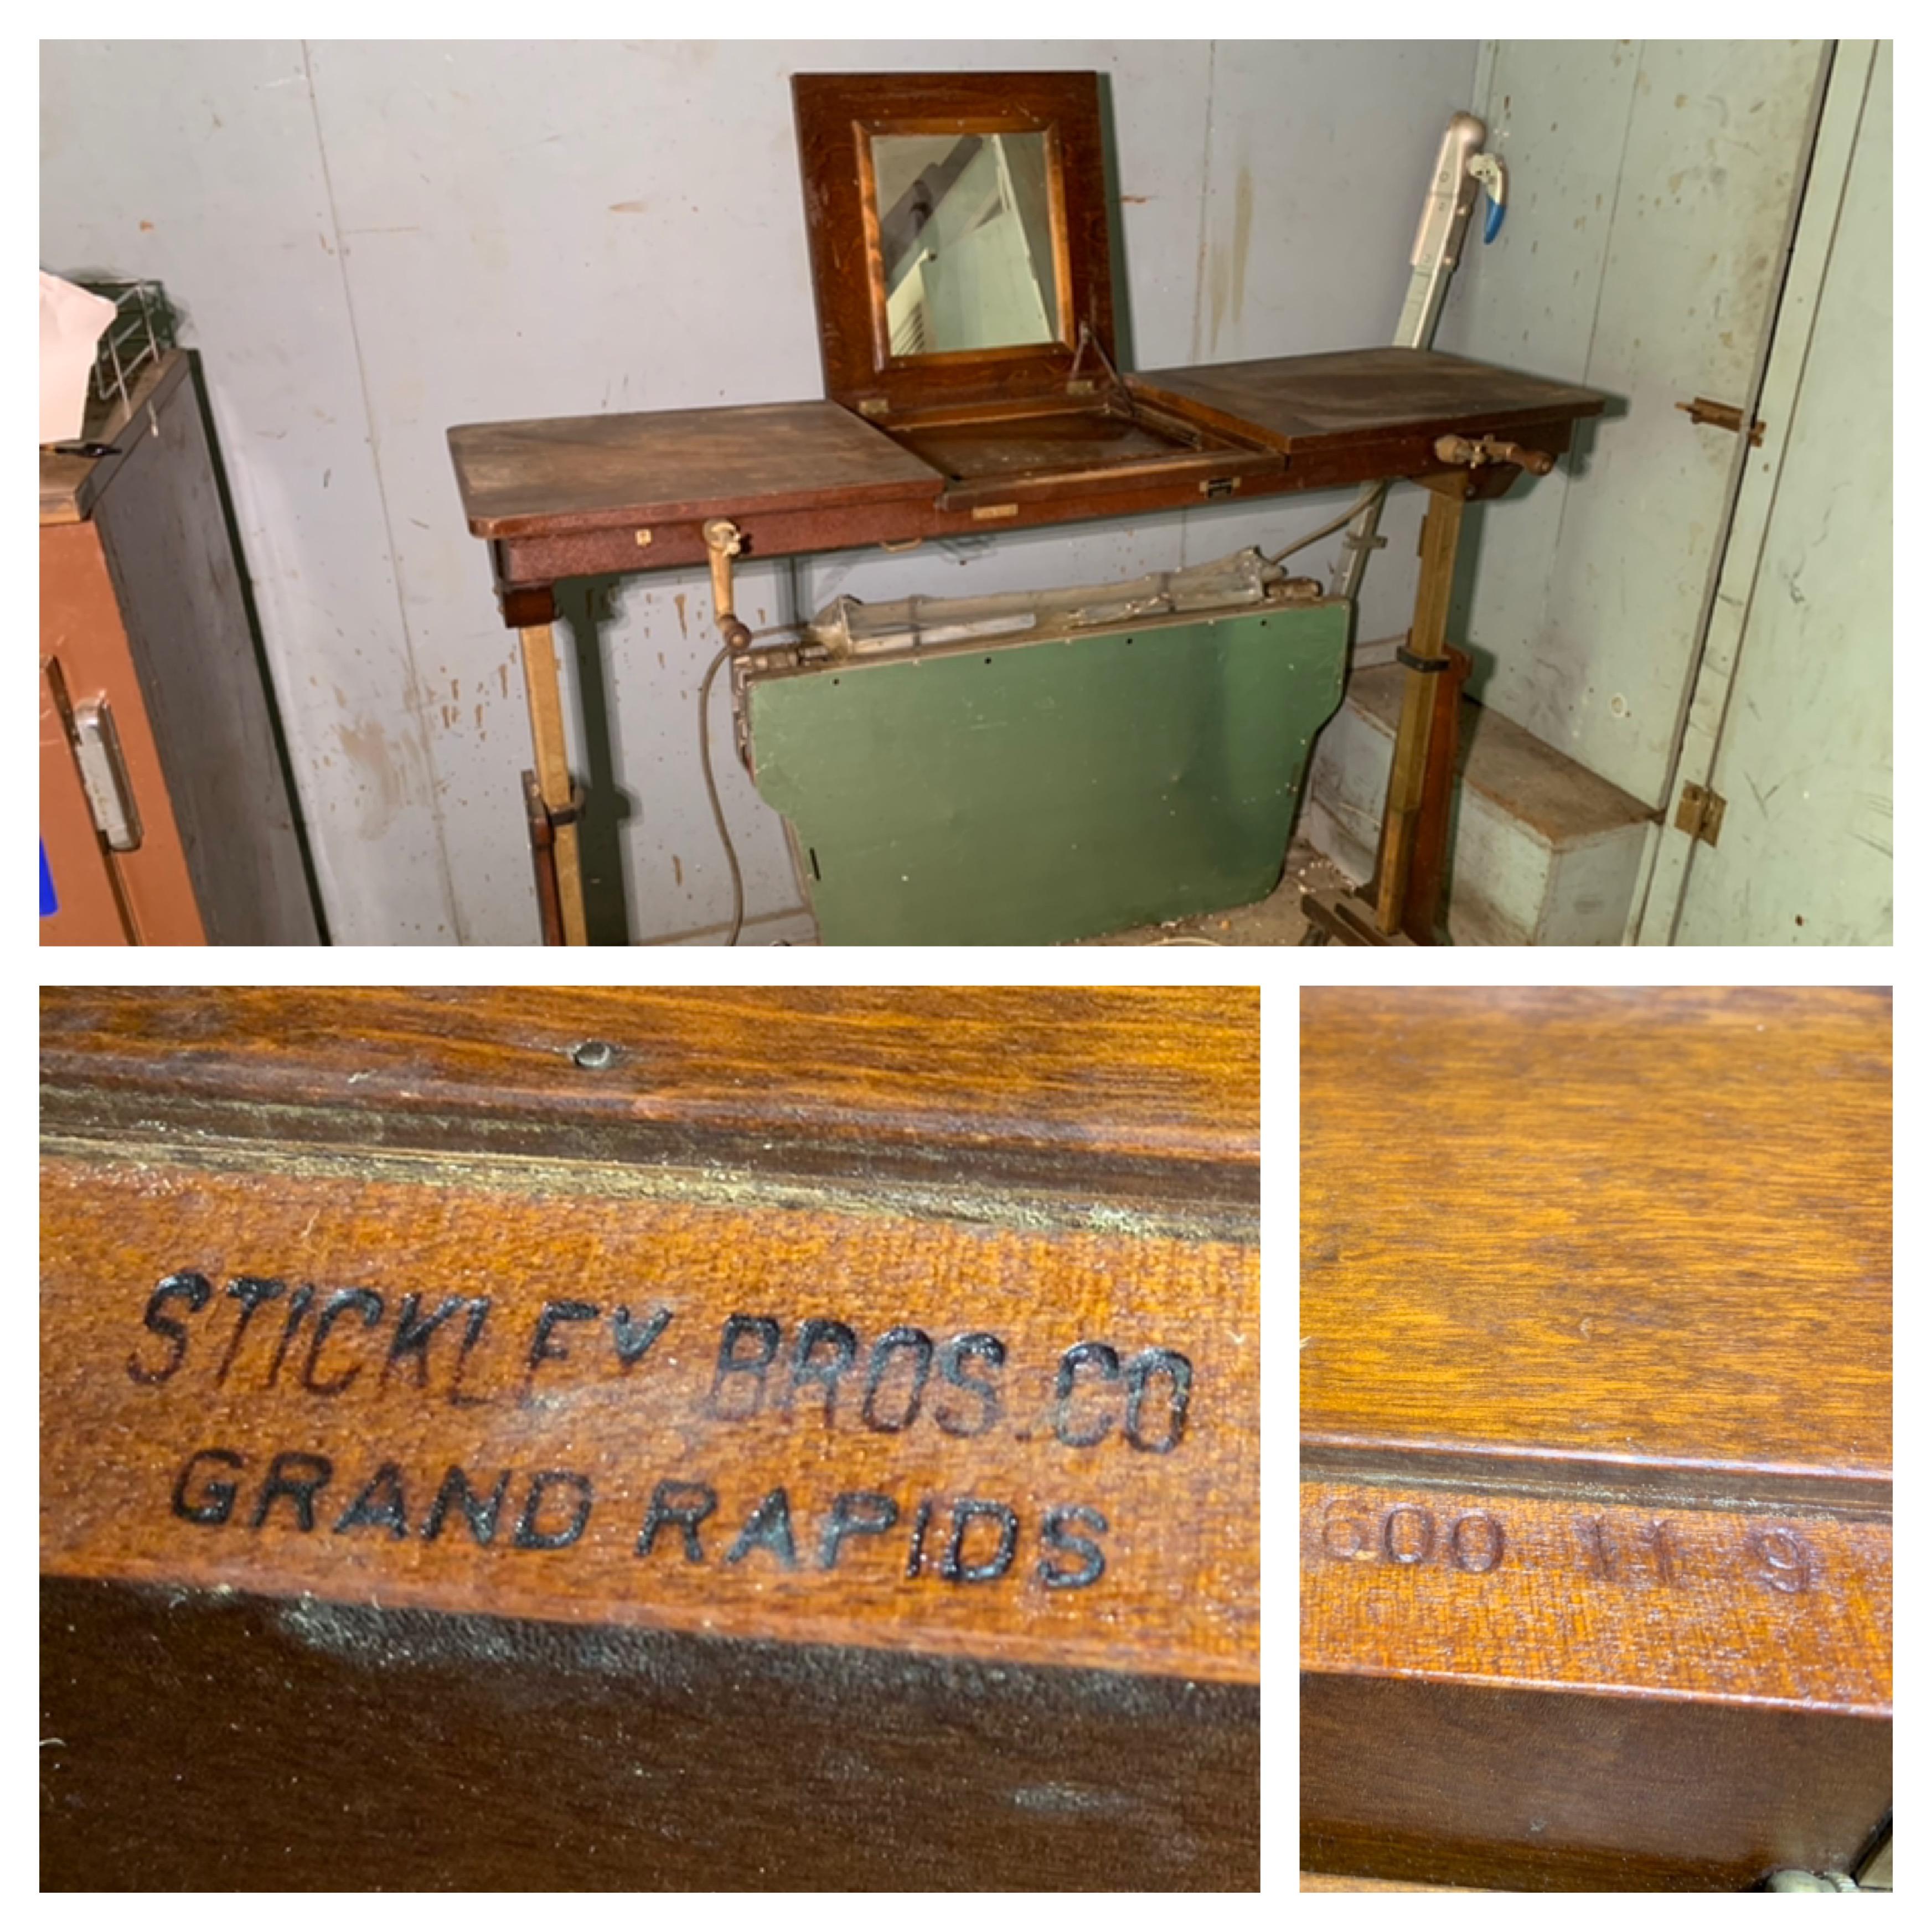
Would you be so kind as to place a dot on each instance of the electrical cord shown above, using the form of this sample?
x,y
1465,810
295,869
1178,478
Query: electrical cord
x,y
1314,536
711,791
1342,522
711,782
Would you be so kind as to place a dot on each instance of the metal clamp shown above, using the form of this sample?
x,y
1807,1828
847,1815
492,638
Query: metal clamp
x,y
723,539
1468,453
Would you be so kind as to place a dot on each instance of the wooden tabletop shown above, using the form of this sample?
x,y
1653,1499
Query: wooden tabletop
x,y
1632,1227
1292,402
556,477
1596,1443
582,472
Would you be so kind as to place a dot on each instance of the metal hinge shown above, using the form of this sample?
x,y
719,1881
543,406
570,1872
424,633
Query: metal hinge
x,y
1700,812
1725,415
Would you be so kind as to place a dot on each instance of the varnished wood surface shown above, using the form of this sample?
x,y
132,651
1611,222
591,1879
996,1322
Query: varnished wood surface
x,y
1291,402
1532,1791
836,114
1570,1592
1145,1090
600,1329
1630,1230
565,496
1596,1452
1180,1590
562,473
192,1742
1323,1882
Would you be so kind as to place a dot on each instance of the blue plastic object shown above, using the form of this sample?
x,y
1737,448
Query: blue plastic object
x,y
1492,221
50,904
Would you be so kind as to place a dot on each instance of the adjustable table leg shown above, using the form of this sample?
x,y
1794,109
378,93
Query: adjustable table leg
x,y
553,773
1425,648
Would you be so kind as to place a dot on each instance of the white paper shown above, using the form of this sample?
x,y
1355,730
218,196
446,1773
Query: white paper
x,y
72,323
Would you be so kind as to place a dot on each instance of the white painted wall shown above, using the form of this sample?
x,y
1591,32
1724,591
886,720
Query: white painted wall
x,y
374,242
1803,756
1652,184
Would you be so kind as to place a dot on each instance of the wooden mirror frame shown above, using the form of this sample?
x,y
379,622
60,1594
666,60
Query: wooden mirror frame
x,y
837,114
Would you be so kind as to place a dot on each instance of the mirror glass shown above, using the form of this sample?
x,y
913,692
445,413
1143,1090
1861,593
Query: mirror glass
x,y
966,231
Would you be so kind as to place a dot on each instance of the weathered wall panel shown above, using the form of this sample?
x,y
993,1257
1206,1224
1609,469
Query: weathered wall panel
x,y
376,241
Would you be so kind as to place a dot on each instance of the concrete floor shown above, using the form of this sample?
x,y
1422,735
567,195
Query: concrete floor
x,y
1276,920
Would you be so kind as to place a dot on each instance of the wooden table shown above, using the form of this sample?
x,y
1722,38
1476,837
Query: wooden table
x,y
584,496
1596,1448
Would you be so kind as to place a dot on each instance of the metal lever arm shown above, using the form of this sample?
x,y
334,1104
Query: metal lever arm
x,y
1472,453
724,542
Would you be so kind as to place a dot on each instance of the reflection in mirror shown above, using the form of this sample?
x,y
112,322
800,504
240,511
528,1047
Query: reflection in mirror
x,y
966,236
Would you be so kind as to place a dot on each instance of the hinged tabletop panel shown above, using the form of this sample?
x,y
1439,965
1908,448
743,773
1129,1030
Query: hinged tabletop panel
x,y
563,473
1289,401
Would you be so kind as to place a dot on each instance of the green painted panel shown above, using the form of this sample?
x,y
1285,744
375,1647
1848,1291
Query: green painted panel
x,y
1051,790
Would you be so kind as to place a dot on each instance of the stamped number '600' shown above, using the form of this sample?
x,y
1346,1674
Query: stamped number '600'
x,y
1408,1534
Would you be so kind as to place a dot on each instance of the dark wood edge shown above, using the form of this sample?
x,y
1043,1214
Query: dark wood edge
x,y
1183,466
1637,1479
203,1740
1447,1728
1469,422
696,509
611,548
1207,1193
830,109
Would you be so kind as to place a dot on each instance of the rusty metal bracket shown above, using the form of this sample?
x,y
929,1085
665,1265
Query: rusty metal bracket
x,y
1724,415
1472,453
1700,812
543,822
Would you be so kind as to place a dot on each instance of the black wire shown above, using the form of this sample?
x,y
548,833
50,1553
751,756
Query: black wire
x,y
711,788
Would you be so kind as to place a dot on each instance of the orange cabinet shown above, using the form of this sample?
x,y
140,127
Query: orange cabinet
x,y
165,813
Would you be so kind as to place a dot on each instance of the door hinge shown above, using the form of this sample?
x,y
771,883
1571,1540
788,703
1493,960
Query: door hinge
x,y
1725,415
1700,812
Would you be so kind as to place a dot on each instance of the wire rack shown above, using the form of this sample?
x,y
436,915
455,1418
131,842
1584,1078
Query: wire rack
x,y
141,332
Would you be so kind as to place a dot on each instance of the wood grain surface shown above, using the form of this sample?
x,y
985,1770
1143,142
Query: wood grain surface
x,y
1481,1586
1322,1882
1149,1092
1290,402
1535,1791
564,473
924,1320
1596,1437
1639,1228
197,1741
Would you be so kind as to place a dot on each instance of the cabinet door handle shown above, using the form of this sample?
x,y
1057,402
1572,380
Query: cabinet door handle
x,y
104,774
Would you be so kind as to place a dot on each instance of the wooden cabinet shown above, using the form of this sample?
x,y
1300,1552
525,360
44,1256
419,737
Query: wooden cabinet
x,y
149,670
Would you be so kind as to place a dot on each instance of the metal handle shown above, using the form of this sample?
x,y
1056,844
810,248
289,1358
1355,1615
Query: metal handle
x,y
1466,453
103,773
